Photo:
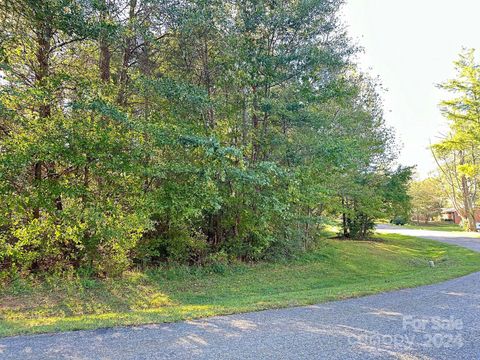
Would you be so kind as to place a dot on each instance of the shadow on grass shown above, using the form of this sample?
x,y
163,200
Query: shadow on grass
x,y
335,270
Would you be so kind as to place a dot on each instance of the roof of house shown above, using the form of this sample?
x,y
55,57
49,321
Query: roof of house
x,y
448,210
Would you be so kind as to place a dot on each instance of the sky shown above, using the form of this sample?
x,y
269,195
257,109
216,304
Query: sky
x,y
411,45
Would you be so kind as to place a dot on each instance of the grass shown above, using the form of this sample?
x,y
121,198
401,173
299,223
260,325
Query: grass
x,y
336,269
439,226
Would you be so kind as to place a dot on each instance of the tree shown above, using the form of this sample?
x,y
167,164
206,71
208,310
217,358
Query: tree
x,y
428,199
144,131
373,196
457,154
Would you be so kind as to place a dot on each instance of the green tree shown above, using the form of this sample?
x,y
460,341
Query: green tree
x,y
457,154
428,199
144,131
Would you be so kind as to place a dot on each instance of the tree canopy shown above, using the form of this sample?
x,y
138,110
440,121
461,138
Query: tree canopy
x,y
428,199
143,131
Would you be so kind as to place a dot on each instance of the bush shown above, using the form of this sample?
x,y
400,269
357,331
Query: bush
x,y
398,220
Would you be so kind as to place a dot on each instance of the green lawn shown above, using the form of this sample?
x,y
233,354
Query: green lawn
x,y
439,226
335,270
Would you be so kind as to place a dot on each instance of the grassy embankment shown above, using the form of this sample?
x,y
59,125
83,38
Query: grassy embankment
x,y
336,269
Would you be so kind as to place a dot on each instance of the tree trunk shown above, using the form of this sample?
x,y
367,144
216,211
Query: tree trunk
x,y
207,78
104,58
44,37
255,124
244,118
127,54
104,64
468,206
344,219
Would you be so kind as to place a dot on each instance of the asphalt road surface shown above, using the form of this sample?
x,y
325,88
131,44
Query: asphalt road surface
x,y
439,321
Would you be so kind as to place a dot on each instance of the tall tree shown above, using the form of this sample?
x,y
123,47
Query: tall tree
x,y
457,155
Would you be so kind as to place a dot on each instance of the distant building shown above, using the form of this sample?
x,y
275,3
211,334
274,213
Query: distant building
x,y
450,214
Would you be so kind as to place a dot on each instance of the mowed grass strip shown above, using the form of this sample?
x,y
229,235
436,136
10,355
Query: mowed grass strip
x,y
436,226
336,269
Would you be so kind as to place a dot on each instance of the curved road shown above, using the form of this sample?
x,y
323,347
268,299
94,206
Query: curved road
x,y
439,321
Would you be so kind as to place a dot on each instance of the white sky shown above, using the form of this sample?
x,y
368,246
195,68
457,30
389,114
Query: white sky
x,y
411,45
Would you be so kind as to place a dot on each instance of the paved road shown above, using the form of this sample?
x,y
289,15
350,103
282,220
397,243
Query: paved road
x,y
468,240
431,322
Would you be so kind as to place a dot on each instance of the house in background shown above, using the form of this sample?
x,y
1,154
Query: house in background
x,y
452,215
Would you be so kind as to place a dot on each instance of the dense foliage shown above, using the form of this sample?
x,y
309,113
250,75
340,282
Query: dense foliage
x,y
143,131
